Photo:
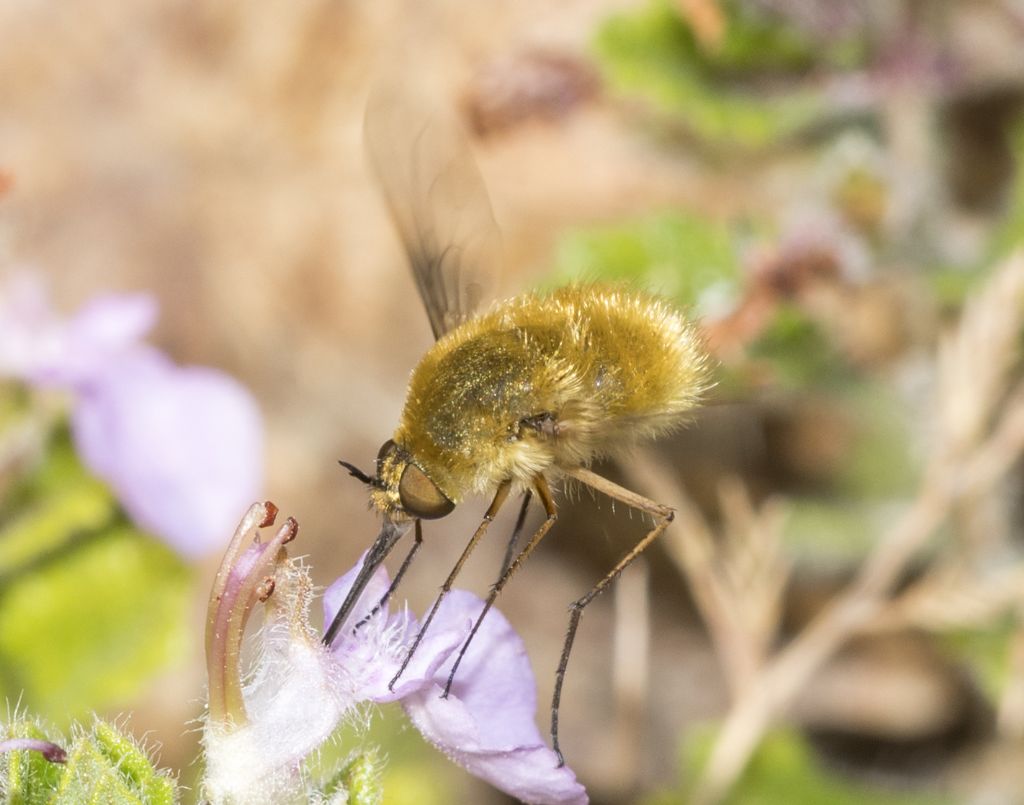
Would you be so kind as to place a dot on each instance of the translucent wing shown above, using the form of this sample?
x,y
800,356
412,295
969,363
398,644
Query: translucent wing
x,y
438,200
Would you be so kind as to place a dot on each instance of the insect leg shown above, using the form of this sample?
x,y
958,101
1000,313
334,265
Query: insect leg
x,y
544,493
516,531
499,498
663,515
418,540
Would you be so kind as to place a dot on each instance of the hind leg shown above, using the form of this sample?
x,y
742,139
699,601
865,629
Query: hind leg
x,y
663,515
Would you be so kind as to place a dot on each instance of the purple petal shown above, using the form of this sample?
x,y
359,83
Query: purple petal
x,y
39,347
29,329
334,596
433,652
181,447
372,655
102,331
487,723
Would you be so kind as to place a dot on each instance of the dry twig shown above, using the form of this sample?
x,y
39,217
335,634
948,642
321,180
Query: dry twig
x,y
980,433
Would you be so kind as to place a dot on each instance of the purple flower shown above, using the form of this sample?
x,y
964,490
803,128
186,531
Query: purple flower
x,y
486,724
260,726
181,447
263,723
41,348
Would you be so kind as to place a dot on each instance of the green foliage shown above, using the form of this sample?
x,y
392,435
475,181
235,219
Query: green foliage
x,y
845,523
415,773
987,651
1010,234
132,764
104,767
674,254
29,778
784,772
832,528
799,352
90,608
874,468
653,54
63,504
880,465
951,285
359,781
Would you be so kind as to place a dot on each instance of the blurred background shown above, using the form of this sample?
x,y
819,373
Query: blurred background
x,y
831,189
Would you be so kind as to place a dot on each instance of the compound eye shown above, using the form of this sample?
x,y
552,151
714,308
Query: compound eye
x,y
420,496
385,449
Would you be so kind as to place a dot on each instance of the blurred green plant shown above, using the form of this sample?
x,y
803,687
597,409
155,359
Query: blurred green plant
x,y
987,651
879,466
693,260
90,608
678,255
952,284
1009,235
799,352
784,771
743,92
841,522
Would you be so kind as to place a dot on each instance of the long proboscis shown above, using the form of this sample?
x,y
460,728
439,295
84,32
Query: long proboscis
x,y
389,535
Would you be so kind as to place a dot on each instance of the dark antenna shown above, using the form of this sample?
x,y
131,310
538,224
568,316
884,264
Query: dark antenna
x,y
358,474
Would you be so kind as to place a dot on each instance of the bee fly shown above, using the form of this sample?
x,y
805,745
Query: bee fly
x,y
529,391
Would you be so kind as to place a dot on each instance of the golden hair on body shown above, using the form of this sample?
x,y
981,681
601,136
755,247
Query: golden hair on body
x,y
544,382
528,391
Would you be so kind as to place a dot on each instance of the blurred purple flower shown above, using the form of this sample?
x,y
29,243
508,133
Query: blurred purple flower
x,y
486,724
181,447
41,348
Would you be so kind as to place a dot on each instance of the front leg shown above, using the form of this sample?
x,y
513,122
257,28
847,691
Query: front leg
x,y
489,515
509,568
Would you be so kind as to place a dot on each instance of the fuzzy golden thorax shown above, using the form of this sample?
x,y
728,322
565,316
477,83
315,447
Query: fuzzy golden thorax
x,y
538,383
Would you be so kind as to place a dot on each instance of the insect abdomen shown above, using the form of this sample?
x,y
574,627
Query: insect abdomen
x,y
543,380
640,362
